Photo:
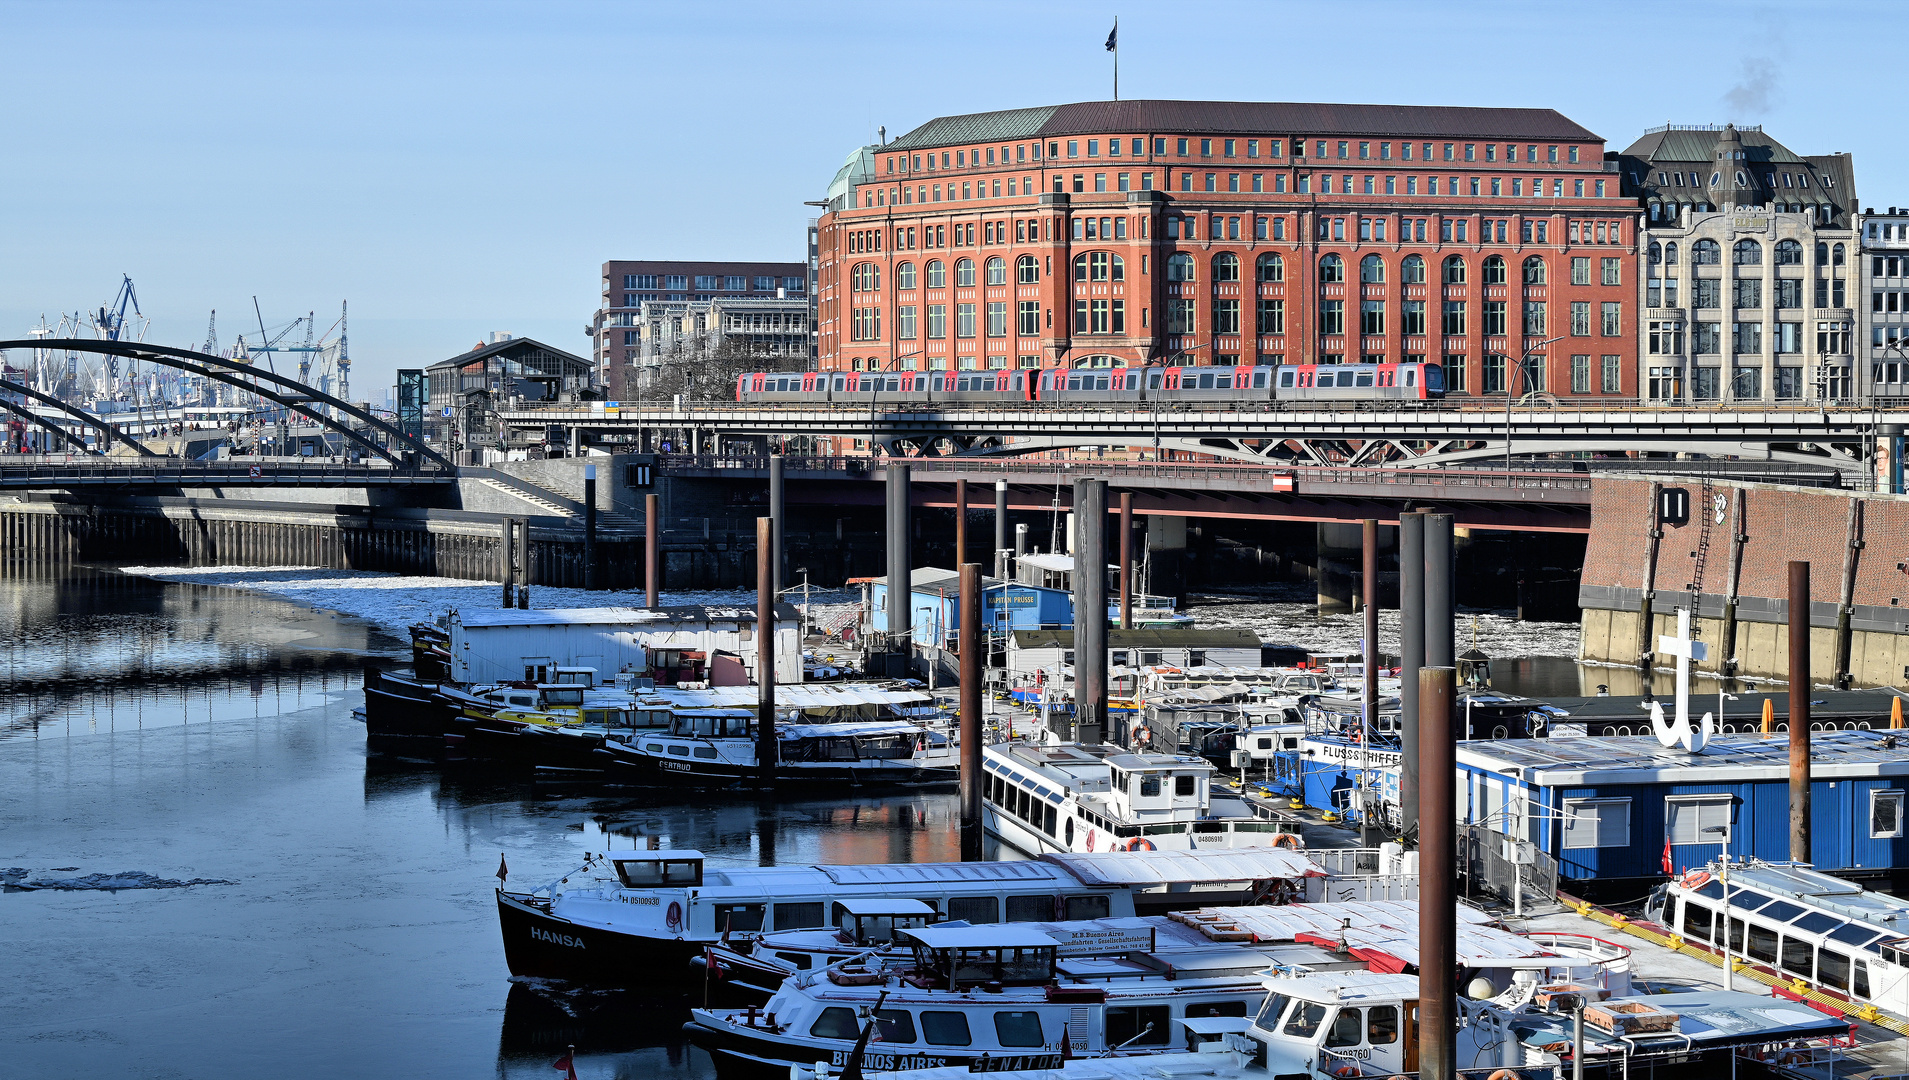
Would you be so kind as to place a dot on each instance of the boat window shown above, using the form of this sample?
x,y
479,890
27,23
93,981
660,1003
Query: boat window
x,y
1187,785
1816,922
1713,890
1799,957
1696,921
679,750
653,748
1749,901
1146,1025
1305,1020
1030,908
974,909
1049,815
796,960
1854,935
705,751
1087,907
835,1023
1382,1024
799,917
946,1029
1346,1029
1149,785
739,917
1736,936
1781,911
1832,970
1860,985
1019,1027
1265,744
894,1026
1762,943
1274,1008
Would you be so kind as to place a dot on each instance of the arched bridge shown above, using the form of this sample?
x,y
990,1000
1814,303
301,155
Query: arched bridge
x,y
270,385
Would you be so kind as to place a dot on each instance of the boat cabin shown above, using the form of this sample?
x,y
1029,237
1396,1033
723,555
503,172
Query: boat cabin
x,y
877,920
579,676
958,957
1345,1023
714,724
677,868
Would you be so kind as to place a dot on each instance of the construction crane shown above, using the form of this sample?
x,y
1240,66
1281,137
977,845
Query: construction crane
x,y
110,323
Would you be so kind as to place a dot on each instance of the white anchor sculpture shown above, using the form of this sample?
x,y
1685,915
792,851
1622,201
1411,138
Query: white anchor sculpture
x,y
1680,732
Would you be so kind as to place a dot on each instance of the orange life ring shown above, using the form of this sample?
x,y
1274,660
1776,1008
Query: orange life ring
x,y
1694,879
1504,1074
1090,839
1143,734
1138,843
1348,1070
1282,840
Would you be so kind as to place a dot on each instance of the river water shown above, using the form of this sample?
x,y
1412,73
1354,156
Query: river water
x,y
187,730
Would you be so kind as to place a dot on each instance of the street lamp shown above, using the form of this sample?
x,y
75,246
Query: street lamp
x,y
1723,939
876,393
1154,403
1511,394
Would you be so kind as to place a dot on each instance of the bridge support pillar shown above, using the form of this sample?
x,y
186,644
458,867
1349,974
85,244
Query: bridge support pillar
x,y
1337,546
1165,558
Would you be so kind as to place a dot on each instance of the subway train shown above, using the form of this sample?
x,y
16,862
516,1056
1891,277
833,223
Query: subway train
x,y
1286,382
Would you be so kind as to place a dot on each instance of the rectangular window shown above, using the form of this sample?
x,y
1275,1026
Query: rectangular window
x,y
1596,823
1580,271
1691,818
1332,316
1706,338
1372,317
1029,318
1494,380
937,321
1789,293
1454,365
1534,318
1180,316
1272,316
905,322
1494,318
998,319
1581,317
1747,338
1747,293
1412,318
1454,318
1612,321
1885,814
1226,316
1580,374
964,320
1789,337
1613,274
1707,293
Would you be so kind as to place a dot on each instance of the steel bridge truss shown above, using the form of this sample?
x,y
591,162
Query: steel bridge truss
x,y
110,431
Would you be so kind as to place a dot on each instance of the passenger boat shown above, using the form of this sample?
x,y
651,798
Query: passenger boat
x,y
718,748
1046,798
637,917
1803,925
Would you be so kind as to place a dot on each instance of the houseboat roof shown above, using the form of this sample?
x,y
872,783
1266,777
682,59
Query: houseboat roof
x,y
664,855
990,936
1146,637
884,906
1143,869
1351,986
1705,1018
788,696
1641,759
634,617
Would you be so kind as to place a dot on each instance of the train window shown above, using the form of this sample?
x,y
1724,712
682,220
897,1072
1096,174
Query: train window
x,y
1020,381
1286,378
1362,378
1206,380
1153,380
1259,380
1100,383
1345,378
1411,377
1225,382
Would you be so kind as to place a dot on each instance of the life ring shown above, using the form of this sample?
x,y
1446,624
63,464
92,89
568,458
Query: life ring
x,y
674,916
1695,879
1143,734
1138,843
1504,1074
1090,839
1289,840
1349,1070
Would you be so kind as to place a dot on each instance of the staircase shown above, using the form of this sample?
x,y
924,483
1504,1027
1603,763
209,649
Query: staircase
x,y
554,502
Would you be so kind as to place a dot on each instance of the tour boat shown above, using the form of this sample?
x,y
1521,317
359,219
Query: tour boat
x,y
1045,798
1804,925
636,917
717,748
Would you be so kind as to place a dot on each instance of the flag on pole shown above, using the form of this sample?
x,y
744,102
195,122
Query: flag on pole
x,y
503,870
1113,37
1667,862
567,1063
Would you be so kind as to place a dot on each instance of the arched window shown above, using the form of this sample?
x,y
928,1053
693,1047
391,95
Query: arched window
x,y
1272,268
1495,270
1534,271
1789,253
937,274
1226,267
1099,266
1836,255
1747,253
1027,269
1455,270
964,272
905,275
1670,253
1412,270
1332,269
1656,253
865,277
1706,253
1822,253
997,271
1371,270
1180,267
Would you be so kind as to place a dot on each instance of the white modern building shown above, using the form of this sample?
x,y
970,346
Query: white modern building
x,y
1885,299
681,644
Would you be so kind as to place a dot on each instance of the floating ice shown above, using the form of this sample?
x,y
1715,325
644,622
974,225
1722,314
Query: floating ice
x,y
128,879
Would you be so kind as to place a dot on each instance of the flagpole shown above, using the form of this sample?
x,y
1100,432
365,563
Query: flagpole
x,y
1116,58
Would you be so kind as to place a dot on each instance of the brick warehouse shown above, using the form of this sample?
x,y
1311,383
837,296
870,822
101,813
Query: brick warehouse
x,y
1106,234
1733,551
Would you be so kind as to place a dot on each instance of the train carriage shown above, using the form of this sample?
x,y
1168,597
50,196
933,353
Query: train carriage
x,y
1191,385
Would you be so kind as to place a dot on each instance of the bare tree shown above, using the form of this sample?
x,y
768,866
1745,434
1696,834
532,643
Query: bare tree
x,y
710,374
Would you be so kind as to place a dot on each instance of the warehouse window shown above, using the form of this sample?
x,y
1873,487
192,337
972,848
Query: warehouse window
x,y
1597,823
1885,814
1689,816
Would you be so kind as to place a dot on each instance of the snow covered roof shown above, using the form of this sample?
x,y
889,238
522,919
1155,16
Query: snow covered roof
x,y
633,617
789,695
1142,869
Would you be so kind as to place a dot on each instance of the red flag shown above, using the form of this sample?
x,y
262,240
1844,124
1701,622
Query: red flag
x,y
503,870
1667,863
567,1064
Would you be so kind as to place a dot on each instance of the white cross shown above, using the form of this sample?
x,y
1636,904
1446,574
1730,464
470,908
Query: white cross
x,y
1685,650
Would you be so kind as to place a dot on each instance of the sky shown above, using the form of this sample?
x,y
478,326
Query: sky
x,y
453,169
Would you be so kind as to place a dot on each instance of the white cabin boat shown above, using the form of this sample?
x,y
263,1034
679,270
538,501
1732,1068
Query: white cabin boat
x,y
1047,798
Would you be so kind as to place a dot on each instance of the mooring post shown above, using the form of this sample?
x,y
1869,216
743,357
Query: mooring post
x,y
961,522
1438,865
1000,529
765,652
652,528
1090,611
1126,560
523,564
1800,690
1369,600
1411,659
589,524
973,643
777,519
506,560
900,586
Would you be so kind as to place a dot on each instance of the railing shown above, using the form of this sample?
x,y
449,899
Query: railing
x,y
56,473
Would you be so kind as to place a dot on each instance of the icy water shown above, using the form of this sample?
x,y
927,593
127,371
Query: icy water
x,y
196,732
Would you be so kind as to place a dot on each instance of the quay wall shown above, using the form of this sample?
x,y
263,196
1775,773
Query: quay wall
x,y
1728,561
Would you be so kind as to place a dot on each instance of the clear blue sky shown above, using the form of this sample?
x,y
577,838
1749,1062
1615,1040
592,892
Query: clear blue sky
x,y
456,168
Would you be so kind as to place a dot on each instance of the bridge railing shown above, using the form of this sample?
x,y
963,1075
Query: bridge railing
x,y
56,471
1311,475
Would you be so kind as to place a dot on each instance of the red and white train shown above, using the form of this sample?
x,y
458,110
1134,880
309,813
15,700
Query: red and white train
x,y
1285,382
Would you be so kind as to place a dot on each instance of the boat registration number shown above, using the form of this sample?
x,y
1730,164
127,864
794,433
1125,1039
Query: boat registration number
x,y
673,766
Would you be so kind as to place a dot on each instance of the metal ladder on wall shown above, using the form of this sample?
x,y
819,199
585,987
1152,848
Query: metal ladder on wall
x,y
1702,555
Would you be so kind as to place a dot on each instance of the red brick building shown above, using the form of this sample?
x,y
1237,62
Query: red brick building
x,y
1116,233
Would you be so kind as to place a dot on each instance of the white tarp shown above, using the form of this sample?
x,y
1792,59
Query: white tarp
x,y
1143,869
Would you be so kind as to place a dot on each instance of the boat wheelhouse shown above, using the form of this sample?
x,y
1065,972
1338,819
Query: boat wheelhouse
x,y
1050,798
1801,924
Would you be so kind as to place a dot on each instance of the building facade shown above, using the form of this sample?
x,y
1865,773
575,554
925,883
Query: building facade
x,y
676,342
1107,234
1750,268
629,285
1885,314
463,393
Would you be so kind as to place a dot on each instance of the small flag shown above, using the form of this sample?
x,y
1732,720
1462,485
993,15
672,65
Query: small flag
x,y
567,1063
1113,37
1667,862
503,870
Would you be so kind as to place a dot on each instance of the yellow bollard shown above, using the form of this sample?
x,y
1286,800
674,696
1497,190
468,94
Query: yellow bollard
x,y
1895,712
1769,718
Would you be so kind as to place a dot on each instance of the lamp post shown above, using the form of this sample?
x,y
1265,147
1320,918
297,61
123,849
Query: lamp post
x,y
875,393
1723,939
1155,402
1511,394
